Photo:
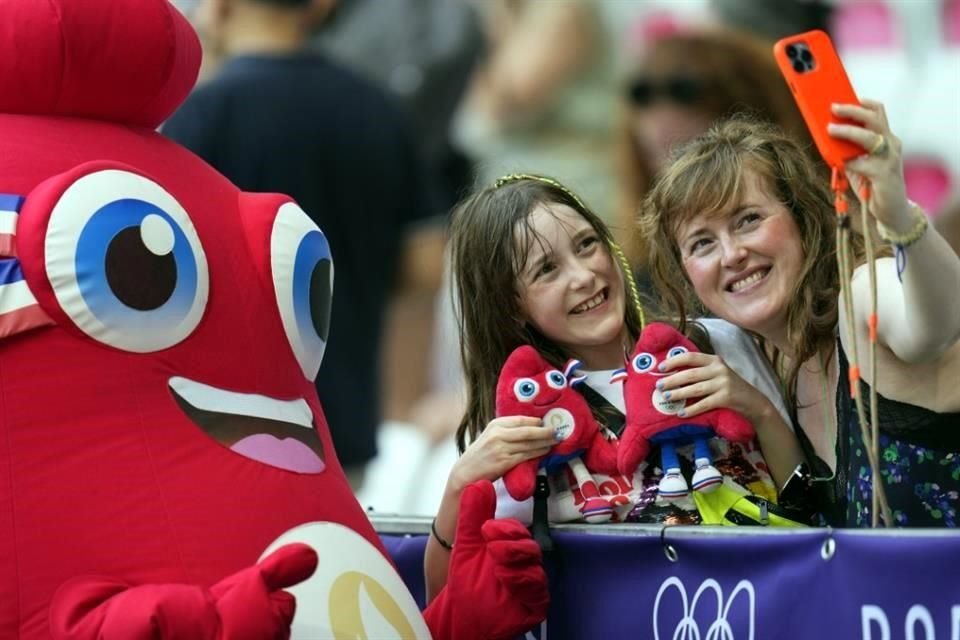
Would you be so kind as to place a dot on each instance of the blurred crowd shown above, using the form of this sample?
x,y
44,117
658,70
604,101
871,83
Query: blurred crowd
x,y
386,114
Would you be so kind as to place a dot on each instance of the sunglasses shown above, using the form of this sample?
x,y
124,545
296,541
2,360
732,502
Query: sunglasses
x,y
643,92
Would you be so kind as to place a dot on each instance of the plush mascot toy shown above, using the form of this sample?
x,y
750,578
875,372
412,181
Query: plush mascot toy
x,y
165,467
652,419
530,386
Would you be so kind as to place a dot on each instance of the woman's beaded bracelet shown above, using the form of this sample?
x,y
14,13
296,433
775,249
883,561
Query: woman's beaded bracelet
x,y
436,536
906,239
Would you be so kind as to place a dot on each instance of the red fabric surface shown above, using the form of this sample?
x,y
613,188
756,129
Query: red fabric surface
x,y
131,63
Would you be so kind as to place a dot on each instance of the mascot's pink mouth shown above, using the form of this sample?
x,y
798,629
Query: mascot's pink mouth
x,y
280,433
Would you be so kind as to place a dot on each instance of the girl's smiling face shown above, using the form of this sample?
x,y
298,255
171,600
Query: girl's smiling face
x,y
570,287
745,262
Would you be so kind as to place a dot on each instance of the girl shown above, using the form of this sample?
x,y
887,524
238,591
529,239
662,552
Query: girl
x,y
533,265
744,220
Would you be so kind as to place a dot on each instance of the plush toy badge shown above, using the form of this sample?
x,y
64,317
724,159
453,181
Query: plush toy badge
x,y
530,386
654,420
165,467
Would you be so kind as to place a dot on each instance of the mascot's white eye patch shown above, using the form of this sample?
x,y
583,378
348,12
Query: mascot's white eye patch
x,y
643,362
556,379
125,261
676,351
526,389
302,269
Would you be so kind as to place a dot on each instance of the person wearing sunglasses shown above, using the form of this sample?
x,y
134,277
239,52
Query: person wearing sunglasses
x,y
680,86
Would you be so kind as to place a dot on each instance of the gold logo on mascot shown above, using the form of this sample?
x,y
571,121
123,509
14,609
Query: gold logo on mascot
x,y
354,594
346,608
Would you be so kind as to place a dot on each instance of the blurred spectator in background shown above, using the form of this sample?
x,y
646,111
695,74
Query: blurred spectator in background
x,y
277,118
541,100
773,19
680,86
422,51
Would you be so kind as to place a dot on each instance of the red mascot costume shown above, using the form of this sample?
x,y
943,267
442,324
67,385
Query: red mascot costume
x,y
165,467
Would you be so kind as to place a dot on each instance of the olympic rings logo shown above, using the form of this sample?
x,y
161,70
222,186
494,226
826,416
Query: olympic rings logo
x,y
720,629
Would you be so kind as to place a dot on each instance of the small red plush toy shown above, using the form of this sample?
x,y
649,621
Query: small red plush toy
x,y
531,386
652,418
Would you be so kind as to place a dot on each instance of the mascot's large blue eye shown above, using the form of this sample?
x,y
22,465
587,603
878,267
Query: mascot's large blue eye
x,y
125,262
556,379
525,389
303,281
676,351
643,362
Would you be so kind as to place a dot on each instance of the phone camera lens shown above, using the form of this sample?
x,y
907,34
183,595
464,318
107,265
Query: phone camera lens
x,y
791,51
806,56
799,67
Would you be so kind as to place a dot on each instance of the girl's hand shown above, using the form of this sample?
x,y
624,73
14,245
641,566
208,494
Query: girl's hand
x,y
504,443
710,379
882,164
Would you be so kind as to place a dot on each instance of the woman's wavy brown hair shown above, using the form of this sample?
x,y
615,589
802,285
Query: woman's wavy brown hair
x,y
707,176
490,237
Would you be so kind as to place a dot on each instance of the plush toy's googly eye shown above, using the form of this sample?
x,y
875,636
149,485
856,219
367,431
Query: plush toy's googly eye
x,y
676,351
526,389
643,362
125,261
302,270
556,379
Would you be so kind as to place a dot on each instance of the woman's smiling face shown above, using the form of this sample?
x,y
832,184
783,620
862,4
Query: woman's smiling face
x,y
570,287
745,262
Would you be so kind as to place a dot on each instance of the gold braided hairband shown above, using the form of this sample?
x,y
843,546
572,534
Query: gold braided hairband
x,y
614,247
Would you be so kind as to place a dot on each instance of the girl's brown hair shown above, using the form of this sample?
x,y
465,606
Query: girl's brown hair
x,y
490,237
707,176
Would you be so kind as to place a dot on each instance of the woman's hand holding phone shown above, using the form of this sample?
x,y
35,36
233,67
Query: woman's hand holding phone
x,y
882,165
851,135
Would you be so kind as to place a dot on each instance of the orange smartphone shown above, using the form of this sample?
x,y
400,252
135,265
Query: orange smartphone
x,y
817,79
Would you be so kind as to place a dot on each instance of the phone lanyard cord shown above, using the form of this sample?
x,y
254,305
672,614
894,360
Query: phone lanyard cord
x,y
869,430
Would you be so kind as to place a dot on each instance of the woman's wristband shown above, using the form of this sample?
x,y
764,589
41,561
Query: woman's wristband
x,y
436,536
904,240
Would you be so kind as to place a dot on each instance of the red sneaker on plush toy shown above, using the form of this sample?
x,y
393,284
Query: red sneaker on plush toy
x,y
531,386
653,418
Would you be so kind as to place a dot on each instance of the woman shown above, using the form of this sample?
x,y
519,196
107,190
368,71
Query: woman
x,y
749,222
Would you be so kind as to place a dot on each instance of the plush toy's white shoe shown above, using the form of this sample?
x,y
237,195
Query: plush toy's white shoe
x,y
706,478
673,486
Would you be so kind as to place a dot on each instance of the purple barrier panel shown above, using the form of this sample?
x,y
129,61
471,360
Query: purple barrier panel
x,y
737,584
407,553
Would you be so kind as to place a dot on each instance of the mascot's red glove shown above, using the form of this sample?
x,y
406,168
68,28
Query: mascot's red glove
x,y
247,605
497,587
